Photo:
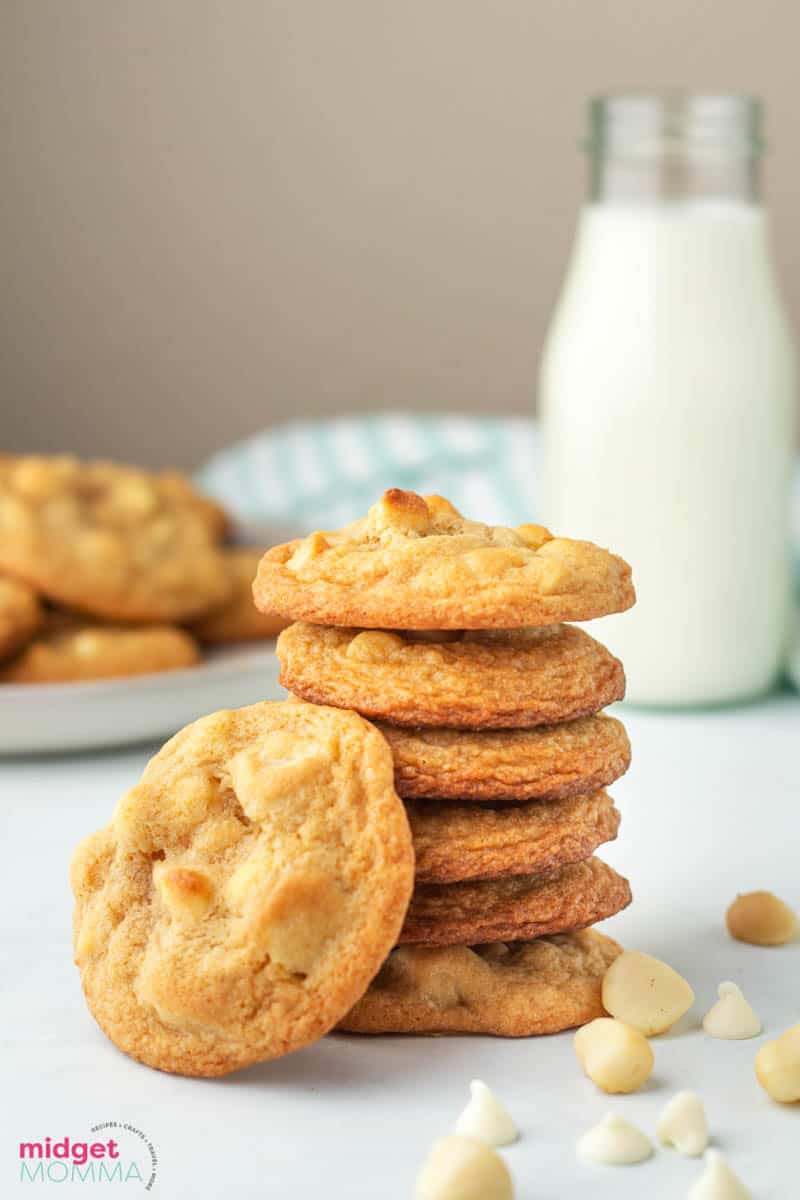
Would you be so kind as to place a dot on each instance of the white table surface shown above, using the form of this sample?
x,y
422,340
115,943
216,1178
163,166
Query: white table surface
x,y
710,807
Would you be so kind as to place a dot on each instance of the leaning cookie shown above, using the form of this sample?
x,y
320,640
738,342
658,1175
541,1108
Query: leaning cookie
x,y
20,615
515,989
414,563
546,763
455,842
515,909
505,678
109,540
71,650
238,620
246,891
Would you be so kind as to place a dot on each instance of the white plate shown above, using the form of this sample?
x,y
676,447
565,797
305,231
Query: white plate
x,y
117,712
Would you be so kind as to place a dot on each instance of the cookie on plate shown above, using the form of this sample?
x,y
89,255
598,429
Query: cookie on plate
x,y
238,620
70,650
484,765
454,842
218,520
414,563
109,540
246,891
20,615
517,908
514,989
504,678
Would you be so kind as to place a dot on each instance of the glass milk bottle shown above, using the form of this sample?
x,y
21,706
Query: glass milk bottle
x,y
667,396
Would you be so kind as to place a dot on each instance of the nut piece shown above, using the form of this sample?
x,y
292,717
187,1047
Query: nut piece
x,y
731,1018
645,992
461,1168
404,512
761,919
485,1118
187,893
718,1181
778,1067
374,646
615,1056
683,1126
308,550
303,913
614,1143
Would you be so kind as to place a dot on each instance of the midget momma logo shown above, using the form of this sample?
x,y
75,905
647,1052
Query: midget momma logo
x,y
113,1152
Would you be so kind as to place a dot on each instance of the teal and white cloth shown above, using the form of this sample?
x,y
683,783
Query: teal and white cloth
x,y
320,474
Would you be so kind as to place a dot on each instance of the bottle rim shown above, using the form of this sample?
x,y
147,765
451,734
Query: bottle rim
x,y
674,122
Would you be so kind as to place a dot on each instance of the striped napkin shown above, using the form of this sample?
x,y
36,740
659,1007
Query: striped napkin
x,y
321,474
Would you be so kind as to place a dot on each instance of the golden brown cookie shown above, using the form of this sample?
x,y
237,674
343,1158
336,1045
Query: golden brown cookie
x,y
454,842
246,891
71,650
480,765
414,563
20,615
515,909
238,620
515,989
109,540
504,678
218,520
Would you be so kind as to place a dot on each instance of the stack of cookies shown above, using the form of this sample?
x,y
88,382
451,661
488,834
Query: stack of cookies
x,y
107,570
448,635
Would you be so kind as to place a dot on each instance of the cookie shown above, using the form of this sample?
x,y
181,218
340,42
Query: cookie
x,y
415,563
515,989
238,620
454,842
20,615
505,678
515,909
547,763
217,519
246,891
109,540
71,650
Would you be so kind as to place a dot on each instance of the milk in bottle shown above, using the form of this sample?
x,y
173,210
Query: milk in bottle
x,y
667,395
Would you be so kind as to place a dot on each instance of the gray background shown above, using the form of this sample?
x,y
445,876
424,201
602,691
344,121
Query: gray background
x,y
218,214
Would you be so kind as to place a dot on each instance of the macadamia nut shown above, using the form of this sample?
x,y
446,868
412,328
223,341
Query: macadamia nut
x,y
645,992
761,919
778,1067
461,1168
614,1055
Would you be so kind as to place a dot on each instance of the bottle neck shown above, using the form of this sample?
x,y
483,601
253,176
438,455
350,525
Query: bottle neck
x,y
670,180
672,147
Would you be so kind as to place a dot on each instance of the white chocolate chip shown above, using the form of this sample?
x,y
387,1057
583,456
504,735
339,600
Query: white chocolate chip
x,y
682,1124
731,1018
461,1168
485,1118
645,992
614,1143
718,1181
